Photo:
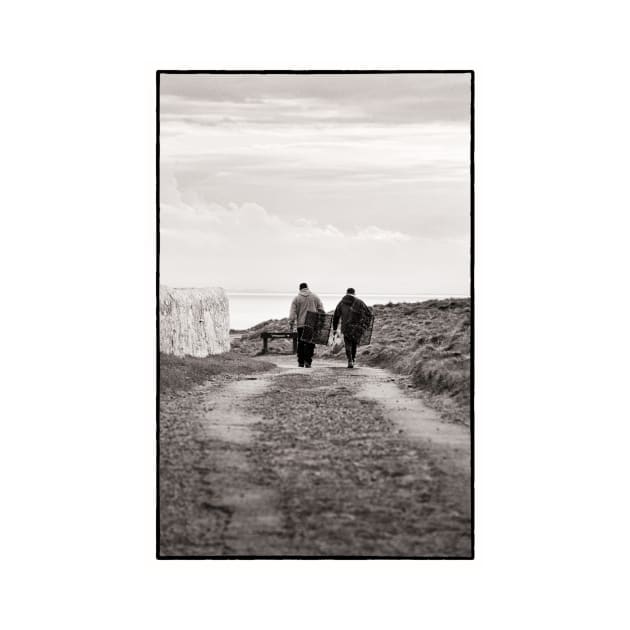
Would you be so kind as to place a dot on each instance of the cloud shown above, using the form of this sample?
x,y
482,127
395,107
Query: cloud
x,y
317,99
340,156
374,233
250,221
187,214
265,177
245,246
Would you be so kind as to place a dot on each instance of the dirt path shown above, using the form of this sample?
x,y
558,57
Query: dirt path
x,y
319,462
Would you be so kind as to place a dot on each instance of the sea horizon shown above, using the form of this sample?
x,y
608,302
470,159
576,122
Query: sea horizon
x,y
248,309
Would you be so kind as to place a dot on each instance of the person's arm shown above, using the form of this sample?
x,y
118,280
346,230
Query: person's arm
x,y
320,306
293,313
336,317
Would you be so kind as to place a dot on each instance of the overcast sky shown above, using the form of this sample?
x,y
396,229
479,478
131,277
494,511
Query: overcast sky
x,y
337,180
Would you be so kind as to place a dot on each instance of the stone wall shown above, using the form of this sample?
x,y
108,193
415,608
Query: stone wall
x,y
194,322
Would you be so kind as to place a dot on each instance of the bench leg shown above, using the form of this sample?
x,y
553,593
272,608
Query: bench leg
x,y
265,347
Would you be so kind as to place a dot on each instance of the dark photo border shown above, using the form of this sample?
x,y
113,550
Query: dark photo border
x,y
159,73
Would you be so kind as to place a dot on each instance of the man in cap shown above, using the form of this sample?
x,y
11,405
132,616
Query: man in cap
x,y
355,317
303,302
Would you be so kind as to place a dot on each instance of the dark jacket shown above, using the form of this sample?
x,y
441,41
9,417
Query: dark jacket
x,y
344,311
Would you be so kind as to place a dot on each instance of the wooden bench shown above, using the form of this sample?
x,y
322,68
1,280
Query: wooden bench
x,y
266,336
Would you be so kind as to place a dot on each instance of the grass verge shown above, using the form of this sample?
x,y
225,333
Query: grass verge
x,y
183,373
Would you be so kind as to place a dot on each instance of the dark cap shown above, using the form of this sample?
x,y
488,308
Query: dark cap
x,y
303,285
350,291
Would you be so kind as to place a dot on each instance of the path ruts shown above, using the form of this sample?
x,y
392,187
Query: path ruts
x,y
320,462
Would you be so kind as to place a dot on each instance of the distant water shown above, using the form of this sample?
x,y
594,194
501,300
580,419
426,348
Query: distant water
x,y
249,309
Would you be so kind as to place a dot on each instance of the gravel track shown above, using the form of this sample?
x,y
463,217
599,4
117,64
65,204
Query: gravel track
x,y
320,462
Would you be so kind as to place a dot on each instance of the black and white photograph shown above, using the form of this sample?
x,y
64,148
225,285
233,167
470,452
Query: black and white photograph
x,y
314,316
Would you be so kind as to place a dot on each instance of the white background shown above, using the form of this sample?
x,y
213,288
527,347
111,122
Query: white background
x,y
77,253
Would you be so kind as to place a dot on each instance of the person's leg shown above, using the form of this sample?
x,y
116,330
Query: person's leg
x,y
348,342
354,351
300,348
308,353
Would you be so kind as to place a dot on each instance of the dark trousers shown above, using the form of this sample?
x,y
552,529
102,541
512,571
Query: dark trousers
x,y
304,350
351,347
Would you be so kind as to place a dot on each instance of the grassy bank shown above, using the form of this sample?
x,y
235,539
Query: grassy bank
x,y
429,342
183,373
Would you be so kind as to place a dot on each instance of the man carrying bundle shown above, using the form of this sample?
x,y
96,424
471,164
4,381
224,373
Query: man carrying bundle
x,y
303,302
356,319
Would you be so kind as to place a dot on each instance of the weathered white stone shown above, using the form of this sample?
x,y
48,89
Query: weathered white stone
x,y
194,322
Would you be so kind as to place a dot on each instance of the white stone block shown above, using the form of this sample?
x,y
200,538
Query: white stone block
x,y
194,322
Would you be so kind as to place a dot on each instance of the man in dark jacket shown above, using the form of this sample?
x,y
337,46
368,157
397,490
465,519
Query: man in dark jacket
x,y
353,312
304,302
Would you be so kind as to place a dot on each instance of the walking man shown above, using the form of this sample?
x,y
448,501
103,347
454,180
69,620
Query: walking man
x,y
303,302
355,318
